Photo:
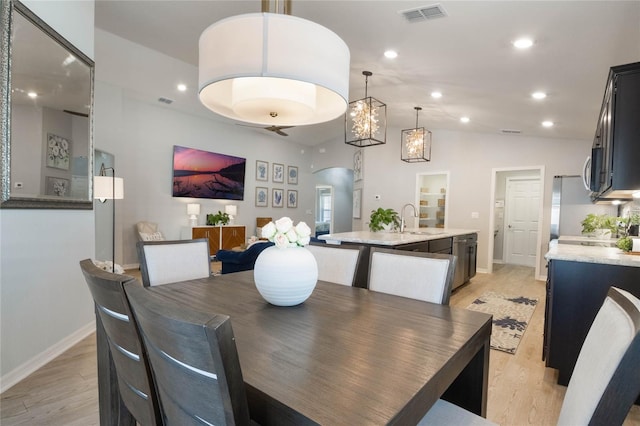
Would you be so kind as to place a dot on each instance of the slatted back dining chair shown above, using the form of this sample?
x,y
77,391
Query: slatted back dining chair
x,y
337,263
606,379
194,361
163,262
113,312
416,275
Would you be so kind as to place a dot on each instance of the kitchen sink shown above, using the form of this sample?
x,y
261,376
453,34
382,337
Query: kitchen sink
x,y
430,232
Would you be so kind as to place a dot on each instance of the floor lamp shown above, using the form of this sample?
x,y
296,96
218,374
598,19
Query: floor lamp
x,y
109,188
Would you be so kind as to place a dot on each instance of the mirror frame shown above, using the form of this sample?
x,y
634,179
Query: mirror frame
x,y
7,10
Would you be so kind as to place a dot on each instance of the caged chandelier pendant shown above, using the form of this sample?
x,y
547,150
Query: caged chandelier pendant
x,y
416,143
366,120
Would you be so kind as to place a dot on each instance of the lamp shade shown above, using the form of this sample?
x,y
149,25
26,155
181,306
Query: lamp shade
x,y
231,209
103,187
193,209
273,69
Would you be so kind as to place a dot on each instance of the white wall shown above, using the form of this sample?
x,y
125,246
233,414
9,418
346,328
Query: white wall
x,y
45,304
141,133
470,159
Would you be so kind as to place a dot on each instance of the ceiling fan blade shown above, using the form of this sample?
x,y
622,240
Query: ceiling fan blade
x,y
275,129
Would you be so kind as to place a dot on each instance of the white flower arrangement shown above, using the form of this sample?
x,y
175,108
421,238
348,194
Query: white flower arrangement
x,y
284,234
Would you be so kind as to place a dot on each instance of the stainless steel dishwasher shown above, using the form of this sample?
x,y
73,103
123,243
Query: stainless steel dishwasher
x,y
464,247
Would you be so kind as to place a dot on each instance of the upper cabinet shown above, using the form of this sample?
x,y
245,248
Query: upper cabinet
x,y
615,155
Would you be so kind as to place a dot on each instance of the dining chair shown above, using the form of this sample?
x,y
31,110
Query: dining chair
x,y
606,378
113,312
163,262
416,275
194,361
337,263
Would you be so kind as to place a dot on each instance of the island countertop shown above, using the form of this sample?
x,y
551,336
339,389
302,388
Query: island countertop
x,y
591,254
410,235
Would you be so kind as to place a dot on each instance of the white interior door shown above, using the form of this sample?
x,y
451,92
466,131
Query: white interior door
x,y
324,209
521,224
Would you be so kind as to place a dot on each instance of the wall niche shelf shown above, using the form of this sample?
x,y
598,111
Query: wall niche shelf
x,y
431,193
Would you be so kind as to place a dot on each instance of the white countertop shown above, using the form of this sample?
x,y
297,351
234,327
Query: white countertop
x,y
410,235
591,254
586,241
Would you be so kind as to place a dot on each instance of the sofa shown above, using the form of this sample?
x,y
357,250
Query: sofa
x,y
236,261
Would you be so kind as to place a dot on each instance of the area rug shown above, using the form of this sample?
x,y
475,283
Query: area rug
x,y
511,316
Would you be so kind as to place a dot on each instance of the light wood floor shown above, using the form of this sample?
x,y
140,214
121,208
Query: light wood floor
x,y
521,390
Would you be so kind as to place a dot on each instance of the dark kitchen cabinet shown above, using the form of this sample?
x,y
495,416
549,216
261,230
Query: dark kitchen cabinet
x,y
614,172
575,292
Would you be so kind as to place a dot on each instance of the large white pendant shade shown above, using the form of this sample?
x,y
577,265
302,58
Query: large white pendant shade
x,y
273,69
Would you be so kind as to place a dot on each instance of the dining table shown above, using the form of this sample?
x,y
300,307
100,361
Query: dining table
x,y
345,356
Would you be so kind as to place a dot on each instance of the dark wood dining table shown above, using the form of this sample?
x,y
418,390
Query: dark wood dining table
x,y
346,355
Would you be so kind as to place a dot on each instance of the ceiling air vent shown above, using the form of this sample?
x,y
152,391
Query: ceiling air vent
x,y
510,131
423,13
165,101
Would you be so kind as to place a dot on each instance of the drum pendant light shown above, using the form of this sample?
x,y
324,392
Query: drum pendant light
x,y
273,69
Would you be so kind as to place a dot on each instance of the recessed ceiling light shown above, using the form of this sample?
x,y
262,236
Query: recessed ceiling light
x,y
436,95
182,87
523,43
547,123
538,95
464,119
32,94
391,54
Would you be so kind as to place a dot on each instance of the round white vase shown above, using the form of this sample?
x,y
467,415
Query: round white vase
x,y
285,276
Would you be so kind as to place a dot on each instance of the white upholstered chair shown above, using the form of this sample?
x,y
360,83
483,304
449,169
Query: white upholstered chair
x,y
606,379
163,262
416,275
148,231
337,263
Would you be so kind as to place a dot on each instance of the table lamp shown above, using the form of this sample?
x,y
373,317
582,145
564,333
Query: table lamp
x,y
193,210
232,211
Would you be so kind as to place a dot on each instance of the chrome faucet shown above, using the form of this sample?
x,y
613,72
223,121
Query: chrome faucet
x,y
415,214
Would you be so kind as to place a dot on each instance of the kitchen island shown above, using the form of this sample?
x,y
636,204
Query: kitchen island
x,y
459,242
578,280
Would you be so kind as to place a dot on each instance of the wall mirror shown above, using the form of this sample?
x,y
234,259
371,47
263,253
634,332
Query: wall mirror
x,y
46,115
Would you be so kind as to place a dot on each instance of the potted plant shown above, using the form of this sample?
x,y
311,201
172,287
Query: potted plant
x,y
625,243
383,219
600,225
218,219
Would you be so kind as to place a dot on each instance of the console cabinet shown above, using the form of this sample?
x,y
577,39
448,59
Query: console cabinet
x,y
220,237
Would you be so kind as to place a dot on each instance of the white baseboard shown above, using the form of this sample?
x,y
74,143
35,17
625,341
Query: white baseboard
x,y
131,266
482,271
24,370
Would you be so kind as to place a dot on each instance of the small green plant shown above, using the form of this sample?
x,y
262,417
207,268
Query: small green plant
x,y
218,219
381,217
599,221
625,243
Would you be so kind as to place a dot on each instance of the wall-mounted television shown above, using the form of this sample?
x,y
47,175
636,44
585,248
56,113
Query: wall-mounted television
x,y
203,174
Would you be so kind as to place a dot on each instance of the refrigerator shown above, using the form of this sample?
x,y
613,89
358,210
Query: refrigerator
x,y
570,204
